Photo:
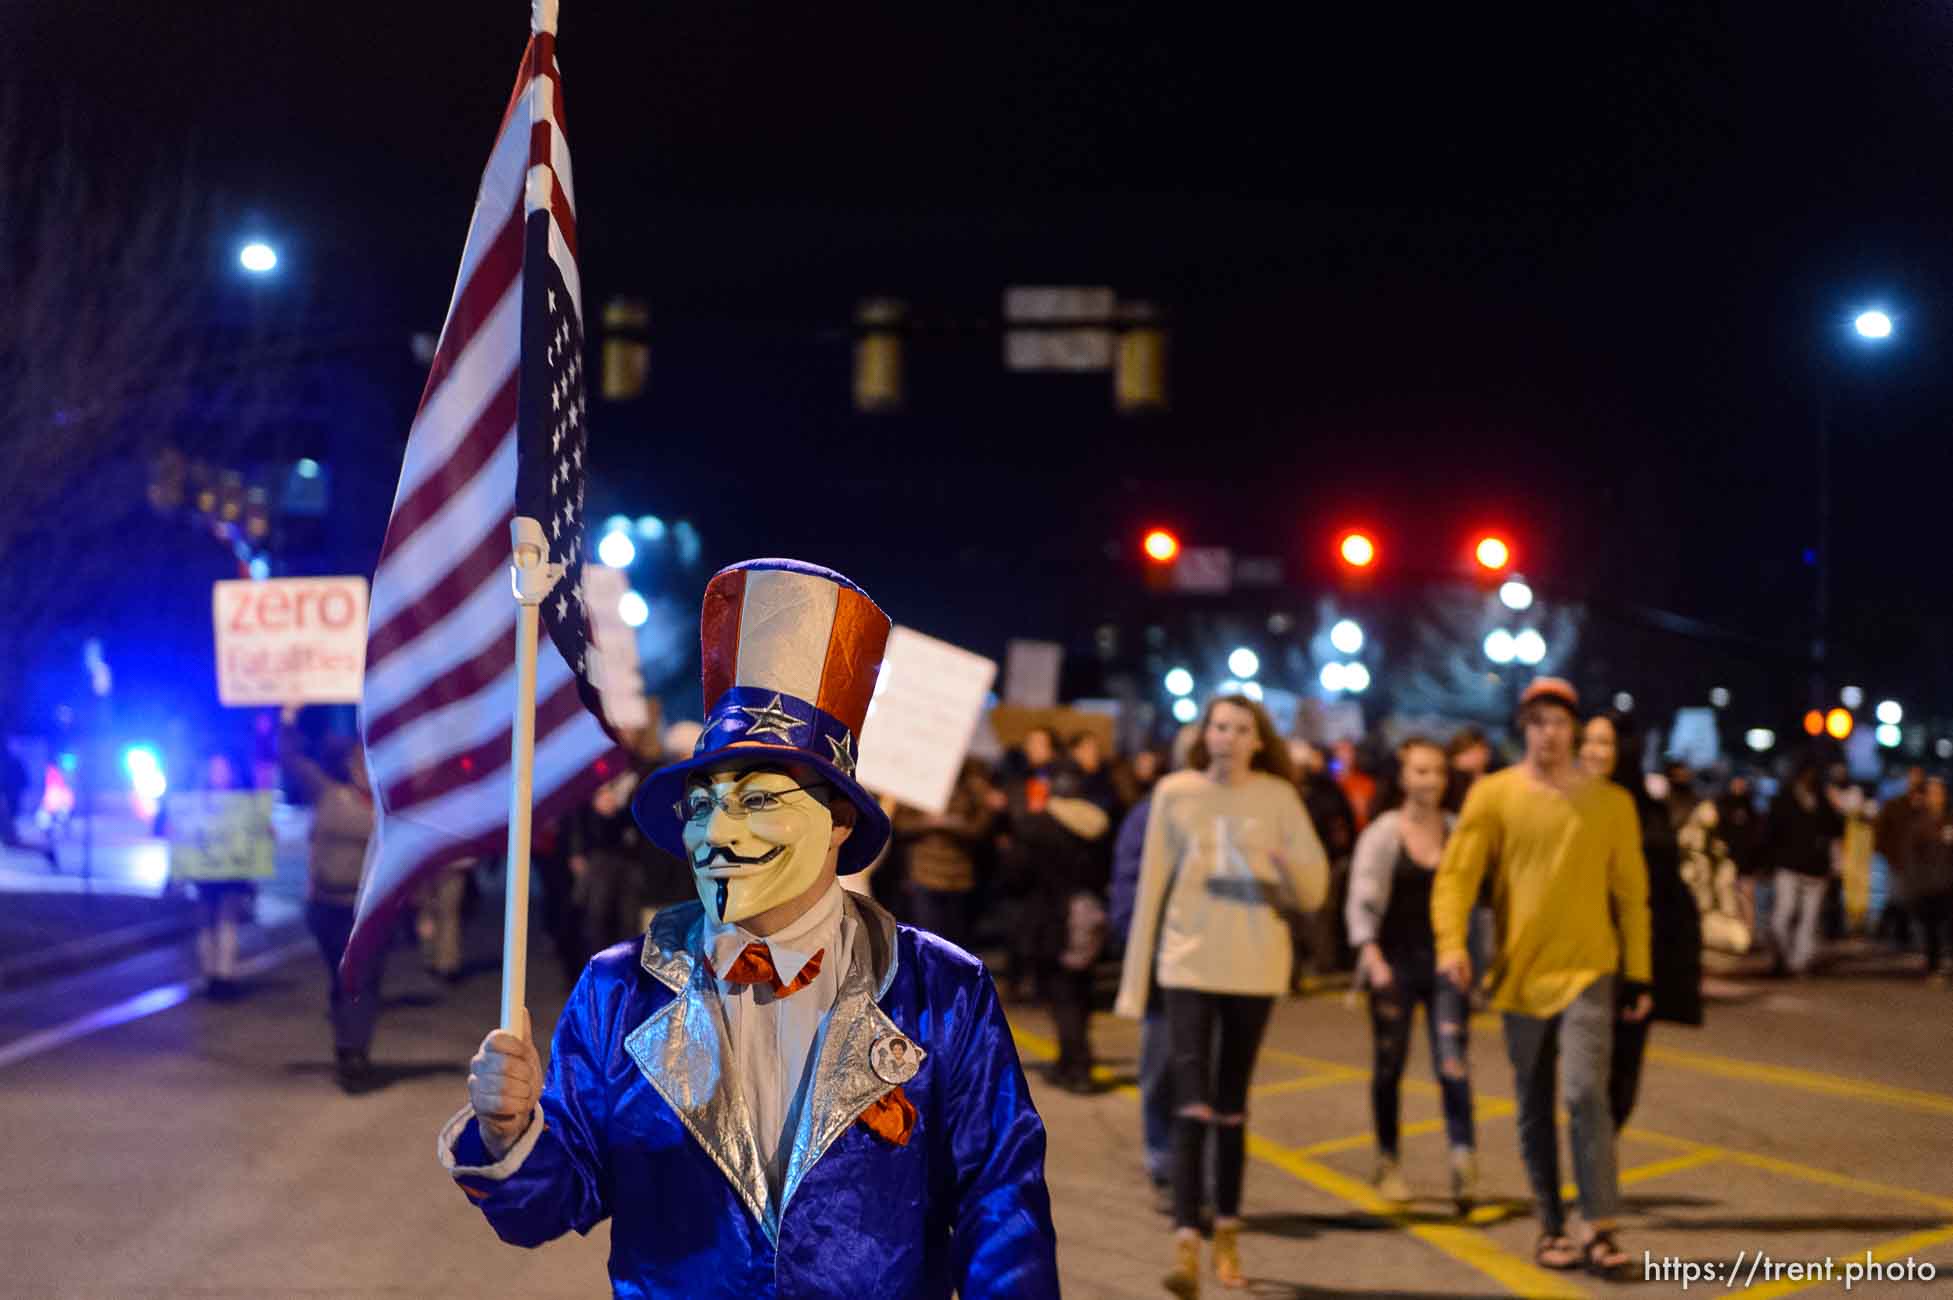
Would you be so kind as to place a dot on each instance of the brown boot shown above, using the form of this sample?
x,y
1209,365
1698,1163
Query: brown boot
x,y
1184,1279
1227,1256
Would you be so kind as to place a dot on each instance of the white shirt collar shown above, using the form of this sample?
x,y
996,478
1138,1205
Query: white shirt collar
x,y
791,948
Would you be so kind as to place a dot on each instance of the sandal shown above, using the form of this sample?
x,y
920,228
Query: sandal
x,y
1556,1250
1603,1255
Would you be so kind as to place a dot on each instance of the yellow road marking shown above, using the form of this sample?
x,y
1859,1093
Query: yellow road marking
x,y
1305,1083
1885,1253
1830,1085
1466,1245
1655,1169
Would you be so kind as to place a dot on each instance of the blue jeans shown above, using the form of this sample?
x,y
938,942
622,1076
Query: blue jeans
x,y
1156,1091
1447,1023
1577,1046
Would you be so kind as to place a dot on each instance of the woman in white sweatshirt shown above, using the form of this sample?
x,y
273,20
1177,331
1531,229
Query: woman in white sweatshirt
x,y
1229,848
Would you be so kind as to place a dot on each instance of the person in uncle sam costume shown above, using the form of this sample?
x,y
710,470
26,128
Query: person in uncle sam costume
x,y
779,1091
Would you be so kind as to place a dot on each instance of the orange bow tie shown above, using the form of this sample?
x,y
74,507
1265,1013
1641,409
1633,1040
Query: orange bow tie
x,y
754,965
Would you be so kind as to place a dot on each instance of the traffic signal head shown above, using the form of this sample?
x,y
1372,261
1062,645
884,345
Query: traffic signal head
x,y
1492,554
1357,550
1161,546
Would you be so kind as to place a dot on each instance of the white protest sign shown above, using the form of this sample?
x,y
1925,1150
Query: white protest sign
x,y
290,640
616,671
926,705
1031,673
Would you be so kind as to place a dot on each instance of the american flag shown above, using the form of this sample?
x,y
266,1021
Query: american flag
x,y
500,432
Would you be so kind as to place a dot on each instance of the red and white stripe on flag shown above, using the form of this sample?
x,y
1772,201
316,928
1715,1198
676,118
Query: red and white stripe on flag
x,y
439,700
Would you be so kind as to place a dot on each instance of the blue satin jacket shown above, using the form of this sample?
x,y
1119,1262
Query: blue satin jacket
x,y
640,1124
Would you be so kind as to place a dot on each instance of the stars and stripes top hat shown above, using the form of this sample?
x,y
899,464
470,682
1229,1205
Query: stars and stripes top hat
x,y
790,653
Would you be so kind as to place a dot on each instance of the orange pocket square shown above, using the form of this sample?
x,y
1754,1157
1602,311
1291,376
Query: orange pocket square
x,y
891,1117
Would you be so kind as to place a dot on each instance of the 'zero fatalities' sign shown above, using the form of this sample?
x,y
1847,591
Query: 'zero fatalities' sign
x,y
290,640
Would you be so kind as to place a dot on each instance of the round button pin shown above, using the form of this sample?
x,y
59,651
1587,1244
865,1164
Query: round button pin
x,y
894,1059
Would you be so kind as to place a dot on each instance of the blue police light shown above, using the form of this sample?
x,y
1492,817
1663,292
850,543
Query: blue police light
x,y
145,769
617,550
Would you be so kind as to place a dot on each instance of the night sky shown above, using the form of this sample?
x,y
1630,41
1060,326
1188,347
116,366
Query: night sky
x,y
1585,274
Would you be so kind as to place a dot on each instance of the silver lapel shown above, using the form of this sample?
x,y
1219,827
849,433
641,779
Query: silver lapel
x,y
680,1050
843,1082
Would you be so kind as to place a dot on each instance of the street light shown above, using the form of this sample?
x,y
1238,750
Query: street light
x,y
1838,724
1890,713
617,550
1243,663
1529,647
1623,702
1851,697
1719,697
1500,647
1185,710
1179,682
1356,678
1514,594
1161,546
258,257
1875,325
1346,636
632,608
1492,554
1888,735
1357,550
650,528
1760,739
1333,677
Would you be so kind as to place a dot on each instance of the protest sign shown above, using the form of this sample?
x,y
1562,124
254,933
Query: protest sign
x,y
290,640
926,705
1031,671
220,835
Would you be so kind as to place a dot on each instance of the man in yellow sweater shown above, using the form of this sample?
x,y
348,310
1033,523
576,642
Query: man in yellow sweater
x,y
1570,892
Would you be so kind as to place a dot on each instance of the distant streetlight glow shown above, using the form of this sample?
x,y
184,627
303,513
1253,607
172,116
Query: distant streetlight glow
x,y
1943,747
617,550
1623,701
1890,713
650,528
1888,735
1500,647
1760,739
632,608
307,468
1516,595
258,257
1719,697
1492,553
1244,663
1851,697
1529,647
1179,682
1185,710
1346,636
1333,677
1814,723
1837,724
1873,325
1356,678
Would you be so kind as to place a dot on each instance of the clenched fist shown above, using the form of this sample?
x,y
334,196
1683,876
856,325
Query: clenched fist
x,y
504,1083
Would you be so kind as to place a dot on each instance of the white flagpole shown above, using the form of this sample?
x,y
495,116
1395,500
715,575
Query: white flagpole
x,y
533,578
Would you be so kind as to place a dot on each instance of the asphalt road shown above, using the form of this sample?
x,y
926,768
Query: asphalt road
x,y
157,1144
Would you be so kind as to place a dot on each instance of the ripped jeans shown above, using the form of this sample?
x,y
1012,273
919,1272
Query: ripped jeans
x,y
1447,1020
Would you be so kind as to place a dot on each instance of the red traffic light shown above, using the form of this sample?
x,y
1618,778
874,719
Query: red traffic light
x,y
1357,550
1161,546
1492,554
